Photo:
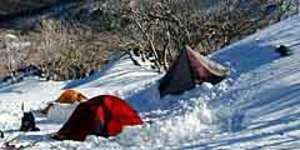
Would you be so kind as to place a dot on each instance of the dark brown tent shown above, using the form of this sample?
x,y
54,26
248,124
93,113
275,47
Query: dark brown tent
x,y
188,69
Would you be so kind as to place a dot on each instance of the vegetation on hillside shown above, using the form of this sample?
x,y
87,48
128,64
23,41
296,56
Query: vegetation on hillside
x,y
80,42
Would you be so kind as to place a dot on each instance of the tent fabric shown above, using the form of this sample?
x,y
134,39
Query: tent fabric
x,y
70,96
188,69
205,70
178,78
103,115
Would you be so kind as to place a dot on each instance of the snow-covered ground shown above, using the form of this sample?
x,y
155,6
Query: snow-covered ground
x,y
257,107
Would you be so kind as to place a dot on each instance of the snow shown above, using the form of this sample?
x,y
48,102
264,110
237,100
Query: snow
x,y
61,112
256,107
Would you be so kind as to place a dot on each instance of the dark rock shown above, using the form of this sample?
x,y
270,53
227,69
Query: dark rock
x,y
283,50
28,122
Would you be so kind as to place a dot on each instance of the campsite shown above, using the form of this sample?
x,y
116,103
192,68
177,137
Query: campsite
x,y
170,89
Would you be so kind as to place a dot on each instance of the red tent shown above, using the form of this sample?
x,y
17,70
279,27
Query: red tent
x,y
103,115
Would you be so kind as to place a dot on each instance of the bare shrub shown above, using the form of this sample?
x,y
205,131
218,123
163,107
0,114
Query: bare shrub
x,y
156,29
163,27
13,52
62,50
70,51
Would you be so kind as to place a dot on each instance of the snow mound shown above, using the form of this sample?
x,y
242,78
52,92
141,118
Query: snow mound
x,y
61,112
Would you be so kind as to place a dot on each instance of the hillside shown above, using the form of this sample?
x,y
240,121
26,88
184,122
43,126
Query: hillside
x,y
257,107
14,6
70,39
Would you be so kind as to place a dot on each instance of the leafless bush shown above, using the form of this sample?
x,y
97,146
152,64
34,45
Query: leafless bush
x,y
62,50
71,51
163,27
157,29
13,52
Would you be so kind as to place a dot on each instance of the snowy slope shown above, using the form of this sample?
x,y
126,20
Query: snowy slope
x,y
257,107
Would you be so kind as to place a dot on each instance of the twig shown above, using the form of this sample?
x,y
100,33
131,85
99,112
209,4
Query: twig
x,y
150,42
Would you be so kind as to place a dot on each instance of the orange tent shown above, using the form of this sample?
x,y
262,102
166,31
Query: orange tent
x,y
69,96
